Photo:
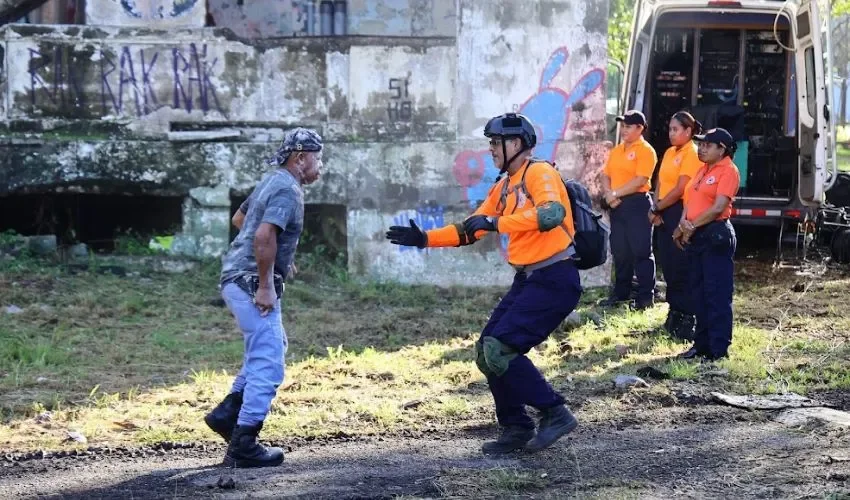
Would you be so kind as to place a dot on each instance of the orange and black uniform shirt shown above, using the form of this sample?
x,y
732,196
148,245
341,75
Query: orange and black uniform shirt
x,y
517,216
721,179
627,162
677,161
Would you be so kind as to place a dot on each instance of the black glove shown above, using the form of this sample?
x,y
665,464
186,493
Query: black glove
x,y
407,236
477,223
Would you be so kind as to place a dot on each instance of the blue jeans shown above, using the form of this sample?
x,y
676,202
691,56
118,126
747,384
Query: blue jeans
x,y
263,364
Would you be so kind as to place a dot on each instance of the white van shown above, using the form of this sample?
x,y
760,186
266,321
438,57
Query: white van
x,y
758,68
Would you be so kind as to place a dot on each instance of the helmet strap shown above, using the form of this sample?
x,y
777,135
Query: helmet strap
x,y
507,162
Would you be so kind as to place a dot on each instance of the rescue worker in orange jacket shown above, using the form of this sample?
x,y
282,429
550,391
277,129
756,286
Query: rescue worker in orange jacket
x,y
625,182
678,166
707,234
531,206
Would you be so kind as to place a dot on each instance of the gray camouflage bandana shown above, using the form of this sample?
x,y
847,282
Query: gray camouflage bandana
x,y
297,139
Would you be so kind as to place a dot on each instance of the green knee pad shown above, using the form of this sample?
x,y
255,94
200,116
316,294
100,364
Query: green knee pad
x,y
479,359
497,356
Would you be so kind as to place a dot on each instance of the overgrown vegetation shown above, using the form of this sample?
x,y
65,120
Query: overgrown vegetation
x,y
125,353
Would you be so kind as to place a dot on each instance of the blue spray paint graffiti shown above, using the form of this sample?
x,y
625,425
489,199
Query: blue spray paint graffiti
x,y
549,110
426,217
178,8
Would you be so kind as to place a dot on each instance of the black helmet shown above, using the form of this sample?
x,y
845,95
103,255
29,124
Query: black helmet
x,y
512,125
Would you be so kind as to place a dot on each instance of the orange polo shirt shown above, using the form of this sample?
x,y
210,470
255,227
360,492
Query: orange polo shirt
x,y
518,217
627,162
677,162
721,179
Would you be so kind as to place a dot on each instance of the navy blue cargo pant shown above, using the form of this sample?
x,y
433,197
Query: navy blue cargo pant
x,y
631,247
711,266
673,261
531,310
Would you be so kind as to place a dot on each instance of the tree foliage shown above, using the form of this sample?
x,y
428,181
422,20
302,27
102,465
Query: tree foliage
x,y
620,27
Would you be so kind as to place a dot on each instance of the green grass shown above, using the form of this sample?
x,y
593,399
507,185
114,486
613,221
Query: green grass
x,y
843,158
141,358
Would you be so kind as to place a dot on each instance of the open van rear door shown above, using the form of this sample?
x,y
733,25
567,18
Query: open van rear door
x,y
636,65
814,133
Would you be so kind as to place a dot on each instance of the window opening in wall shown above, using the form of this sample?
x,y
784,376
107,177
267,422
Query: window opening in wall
x,y
103,222
324,239
53,12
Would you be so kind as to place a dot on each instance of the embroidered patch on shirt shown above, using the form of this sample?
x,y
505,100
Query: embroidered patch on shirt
x,y
711,180
521,199
632,156
678,160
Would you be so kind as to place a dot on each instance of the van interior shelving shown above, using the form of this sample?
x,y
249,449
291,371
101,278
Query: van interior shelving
x,y
731,72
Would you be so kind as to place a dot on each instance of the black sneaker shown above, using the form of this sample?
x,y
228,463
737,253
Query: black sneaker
x,y
672,317
612,302
512,438
685,327
244,450
692,353
642,305
554,424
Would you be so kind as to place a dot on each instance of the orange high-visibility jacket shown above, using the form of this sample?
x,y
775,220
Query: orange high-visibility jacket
x,y
513,206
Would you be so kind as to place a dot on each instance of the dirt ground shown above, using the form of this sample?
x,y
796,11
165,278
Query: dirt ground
x,y
672,440
694,449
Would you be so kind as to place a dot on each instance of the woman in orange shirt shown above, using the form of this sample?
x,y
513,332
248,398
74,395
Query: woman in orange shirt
x,y
678,166
710,239
625,182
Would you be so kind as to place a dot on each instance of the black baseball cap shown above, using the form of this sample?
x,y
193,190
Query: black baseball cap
x,y
632,117
717,136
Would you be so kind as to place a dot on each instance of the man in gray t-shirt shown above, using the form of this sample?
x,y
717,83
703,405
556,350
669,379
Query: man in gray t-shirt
x,y
259,260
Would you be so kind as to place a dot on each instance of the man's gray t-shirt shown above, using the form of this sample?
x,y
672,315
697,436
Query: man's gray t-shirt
x,y
278,200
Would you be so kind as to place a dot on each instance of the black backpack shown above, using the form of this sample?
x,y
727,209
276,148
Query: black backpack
x,y
591,234
591,238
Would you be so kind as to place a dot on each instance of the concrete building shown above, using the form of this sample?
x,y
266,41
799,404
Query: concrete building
x,y
158,114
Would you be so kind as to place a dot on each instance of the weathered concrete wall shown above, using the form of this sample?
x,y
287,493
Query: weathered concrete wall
x,y
544,59
421,18
98,109
146,13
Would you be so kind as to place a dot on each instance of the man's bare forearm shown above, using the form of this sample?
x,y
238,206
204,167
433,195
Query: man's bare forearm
x,y
265,250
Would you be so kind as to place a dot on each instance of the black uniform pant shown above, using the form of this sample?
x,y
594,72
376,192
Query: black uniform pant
x,y
631,247
673,261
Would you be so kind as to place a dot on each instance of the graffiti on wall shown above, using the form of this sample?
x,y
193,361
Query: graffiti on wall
x,y
427,217
549,109
130,81
400,106
157,9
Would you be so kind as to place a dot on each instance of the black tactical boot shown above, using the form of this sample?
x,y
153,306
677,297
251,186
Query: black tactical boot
x,y
222,418
244,450
685,327
554,424
512,438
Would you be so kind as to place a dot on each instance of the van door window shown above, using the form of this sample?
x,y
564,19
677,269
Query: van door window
x,y
811,82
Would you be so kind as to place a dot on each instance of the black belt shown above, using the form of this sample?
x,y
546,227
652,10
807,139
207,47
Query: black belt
x,y
250,283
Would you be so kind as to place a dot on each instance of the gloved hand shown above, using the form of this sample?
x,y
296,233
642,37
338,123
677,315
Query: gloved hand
x,y
407,236
476,223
